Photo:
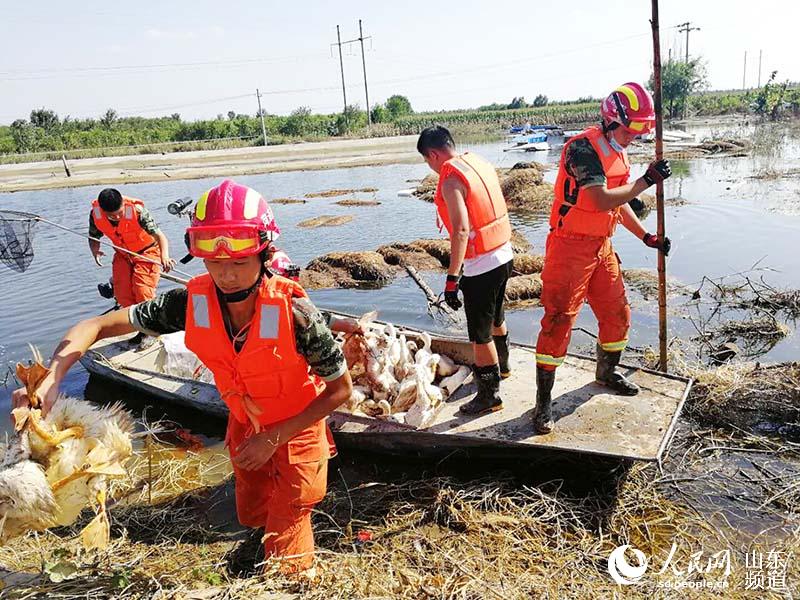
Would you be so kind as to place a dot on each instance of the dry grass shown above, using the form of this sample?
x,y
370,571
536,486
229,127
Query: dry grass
x,y
354,202
333,193
427,187
326,221
744,394
645,281
526,264
430,538
519,242
353,269
524,290
524,189
288,201
410,255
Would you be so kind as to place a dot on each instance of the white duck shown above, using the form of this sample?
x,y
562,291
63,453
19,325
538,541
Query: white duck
x,y
79,446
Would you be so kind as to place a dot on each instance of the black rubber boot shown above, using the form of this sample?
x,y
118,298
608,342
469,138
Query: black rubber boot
x,y
608,376
488,397
501,344
542,419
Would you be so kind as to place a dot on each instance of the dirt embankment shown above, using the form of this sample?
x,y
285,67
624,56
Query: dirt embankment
x,y
119,170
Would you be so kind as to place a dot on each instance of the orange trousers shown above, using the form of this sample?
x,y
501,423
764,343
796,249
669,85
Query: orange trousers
x,y
280,495
135,280
577,269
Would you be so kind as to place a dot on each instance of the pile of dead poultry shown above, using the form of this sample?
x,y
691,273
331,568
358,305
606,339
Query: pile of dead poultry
x,y
396,375
56,465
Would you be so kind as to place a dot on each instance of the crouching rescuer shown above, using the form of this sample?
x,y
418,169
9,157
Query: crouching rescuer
x,y
470,205
591,196
274,361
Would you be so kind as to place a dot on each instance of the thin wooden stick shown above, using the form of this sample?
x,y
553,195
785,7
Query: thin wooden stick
x,y
662,262
432,299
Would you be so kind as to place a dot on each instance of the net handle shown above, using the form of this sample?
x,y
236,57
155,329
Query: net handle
x,y
166,276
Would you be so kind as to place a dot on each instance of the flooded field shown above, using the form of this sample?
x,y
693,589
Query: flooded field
x,y
736,218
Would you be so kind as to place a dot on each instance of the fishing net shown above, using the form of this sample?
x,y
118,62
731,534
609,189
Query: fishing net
x,y
16,239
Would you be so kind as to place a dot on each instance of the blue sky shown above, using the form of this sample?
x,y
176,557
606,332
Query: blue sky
x,y
203,57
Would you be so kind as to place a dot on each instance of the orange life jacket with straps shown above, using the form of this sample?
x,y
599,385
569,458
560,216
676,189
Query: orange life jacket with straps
x,y
267,380
128,233
489,227
573,213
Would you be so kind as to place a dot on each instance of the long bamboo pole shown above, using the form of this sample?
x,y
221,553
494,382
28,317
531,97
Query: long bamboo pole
x,y
662,262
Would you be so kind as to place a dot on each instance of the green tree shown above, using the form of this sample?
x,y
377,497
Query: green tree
x,y
770,99
351,119
298,123
540,100
398,106
44,118
108,119
678,81
379,114
23,135
518,103
231,115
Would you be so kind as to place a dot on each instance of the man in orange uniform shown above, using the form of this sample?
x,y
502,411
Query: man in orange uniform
x,y
129,225
274,361
470,205
591,196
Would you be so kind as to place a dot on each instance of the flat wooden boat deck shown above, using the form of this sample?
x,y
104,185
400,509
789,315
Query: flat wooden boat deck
x,y
588,419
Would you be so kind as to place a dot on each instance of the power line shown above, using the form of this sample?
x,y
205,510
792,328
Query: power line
x,y
45,73
127,111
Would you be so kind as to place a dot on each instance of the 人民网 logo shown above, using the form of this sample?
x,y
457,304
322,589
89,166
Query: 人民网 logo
x,y
621,570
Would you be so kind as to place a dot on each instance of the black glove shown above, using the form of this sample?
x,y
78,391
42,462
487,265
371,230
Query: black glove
x,y
657,171
451,292
653,241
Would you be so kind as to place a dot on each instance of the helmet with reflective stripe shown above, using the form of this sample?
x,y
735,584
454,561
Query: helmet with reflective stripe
x,y
631,106
231,221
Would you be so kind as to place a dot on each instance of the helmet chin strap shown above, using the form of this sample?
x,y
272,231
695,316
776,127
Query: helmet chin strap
x,y
241,295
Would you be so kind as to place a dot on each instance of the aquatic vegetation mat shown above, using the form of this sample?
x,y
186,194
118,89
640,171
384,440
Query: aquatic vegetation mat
x,y
348,269
743,395
288,201
354,202
326,221
345,192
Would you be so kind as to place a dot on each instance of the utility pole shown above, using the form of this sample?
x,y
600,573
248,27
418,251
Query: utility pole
x,y
361,39
686,27
744,72
341,67
261,114
340,43
759,67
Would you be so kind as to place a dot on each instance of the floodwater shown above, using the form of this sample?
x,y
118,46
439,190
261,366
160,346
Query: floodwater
x,y
729,222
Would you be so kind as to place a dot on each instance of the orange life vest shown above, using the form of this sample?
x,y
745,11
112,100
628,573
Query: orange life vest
x,y
489,227
267,380
128,233
573,213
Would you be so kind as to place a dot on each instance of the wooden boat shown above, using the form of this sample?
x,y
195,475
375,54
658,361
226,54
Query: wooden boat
x,y
589,420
